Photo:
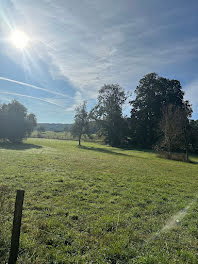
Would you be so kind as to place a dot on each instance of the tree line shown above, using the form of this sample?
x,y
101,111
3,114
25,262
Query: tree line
x,y
15,122
159,116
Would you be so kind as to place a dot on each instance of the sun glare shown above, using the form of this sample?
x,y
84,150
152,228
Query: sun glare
x,y
19,39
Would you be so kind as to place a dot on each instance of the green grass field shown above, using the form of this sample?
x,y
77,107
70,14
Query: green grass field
x,y
66,136
98,204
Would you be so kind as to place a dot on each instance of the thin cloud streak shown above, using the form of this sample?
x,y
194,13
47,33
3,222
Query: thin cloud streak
x,y
32,97
33,86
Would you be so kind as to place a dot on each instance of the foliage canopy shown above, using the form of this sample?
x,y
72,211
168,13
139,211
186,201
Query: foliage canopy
x,y
153,94
108,113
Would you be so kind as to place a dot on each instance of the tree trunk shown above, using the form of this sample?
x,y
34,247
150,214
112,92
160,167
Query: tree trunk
x,y
186,156
79,141
169,148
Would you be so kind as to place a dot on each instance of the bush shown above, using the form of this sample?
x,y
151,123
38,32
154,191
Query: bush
x,y
15,123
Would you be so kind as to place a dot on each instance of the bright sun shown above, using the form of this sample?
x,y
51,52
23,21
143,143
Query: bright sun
x,y
19,39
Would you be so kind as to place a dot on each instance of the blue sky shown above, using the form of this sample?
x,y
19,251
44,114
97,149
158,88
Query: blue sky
x,y
77,46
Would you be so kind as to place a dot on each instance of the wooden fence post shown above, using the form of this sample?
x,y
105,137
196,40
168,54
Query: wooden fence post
x,y
16,227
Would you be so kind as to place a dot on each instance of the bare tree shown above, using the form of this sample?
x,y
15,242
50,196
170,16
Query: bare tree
x,y
174,126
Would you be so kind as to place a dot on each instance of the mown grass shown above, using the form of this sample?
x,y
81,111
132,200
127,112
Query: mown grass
x,y
98,204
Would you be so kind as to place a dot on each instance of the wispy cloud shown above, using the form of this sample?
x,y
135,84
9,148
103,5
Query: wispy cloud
x,y
78,99
191,93
91,44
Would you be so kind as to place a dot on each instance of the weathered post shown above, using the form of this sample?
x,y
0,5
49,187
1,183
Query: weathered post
x,y
16,227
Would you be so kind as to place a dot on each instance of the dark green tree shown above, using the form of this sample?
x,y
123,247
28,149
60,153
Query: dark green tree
x,y
152,94
41,129
15,123
194,135
81,122
108,114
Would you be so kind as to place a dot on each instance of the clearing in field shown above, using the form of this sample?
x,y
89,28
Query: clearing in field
x,y
98,204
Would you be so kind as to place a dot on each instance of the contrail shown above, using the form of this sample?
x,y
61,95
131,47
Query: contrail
x,y
32,97
33,86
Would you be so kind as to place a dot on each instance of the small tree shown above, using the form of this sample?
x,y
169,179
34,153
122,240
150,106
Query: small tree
x,y
81,122
174,127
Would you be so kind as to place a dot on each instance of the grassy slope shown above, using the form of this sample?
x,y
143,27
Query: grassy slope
x,y
100,204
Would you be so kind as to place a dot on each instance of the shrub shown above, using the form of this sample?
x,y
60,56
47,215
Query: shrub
x,y
15,123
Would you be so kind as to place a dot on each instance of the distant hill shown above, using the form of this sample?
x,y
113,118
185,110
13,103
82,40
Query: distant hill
x,y
55,127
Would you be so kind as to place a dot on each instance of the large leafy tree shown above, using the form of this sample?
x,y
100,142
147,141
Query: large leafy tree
x,y
152,94
108,113
15,123
81,122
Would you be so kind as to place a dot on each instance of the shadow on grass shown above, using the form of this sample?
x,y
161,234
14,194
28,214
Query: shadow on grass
x,y
19,146
103,150
193,162
138,149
